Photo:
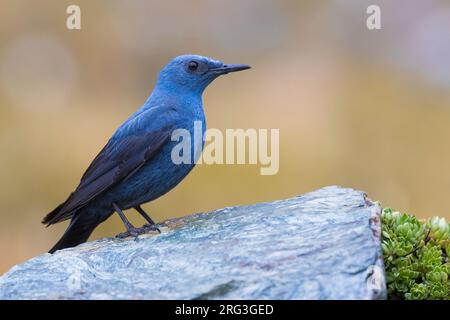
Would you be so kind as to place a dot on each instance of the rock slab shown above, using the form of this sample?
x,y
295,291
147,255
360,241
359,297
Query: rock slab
x,y
321,245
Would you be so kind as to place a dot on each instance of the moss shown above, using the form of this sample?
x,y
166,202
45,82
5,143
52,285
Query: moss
x,y
416,256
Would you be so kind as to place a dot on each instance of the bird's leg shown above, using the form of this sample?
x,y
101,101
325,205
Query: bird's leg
x,y
151,223
131,230
145,215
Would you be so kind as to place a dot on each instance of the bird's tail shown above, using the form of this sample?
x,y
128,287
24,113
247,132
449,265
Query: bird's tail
x,y
79,230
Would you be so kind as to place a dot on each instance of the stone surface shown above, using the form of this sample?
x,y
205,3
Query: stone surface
x,y
322,245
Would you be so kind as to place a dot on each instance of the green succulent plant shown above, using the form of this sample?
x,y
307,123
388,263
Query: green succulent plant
x,y
416,256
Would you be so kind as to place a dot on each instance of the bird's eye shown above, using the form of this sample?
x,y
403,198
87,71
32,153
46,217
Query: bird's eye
x,y
193,65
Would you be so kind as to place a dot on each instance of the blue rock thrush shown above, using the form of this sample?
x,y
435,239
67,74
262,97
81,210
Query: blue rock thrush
x,y
135,166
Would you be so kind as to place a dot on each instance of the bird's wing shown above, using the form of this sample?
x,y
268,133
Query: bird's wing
x,y
118,160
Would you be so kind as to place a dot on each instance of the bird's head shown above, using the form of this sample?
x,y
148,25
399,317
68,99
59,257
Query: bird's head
x,y
194,73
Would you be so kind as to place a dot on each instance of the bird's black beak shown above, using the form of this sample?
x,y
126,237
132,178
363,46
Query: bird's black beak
x,y
227,68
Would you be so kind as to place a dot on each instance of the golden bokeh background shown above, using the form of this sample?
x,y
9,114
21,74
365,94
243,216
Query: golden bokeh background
x,y
358,108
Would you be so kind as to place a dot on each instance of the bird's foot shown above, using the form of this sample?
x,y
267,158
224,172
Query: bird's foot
x,y
135,232
131,232
151,227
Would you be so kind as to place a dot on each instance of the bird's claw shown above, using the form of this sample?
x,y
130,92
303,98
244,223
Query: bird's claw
x,y
151,227
131,232
135,232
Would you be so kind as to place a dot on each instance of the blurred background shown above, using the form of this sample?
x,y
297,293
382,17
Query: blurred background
x,y
358,108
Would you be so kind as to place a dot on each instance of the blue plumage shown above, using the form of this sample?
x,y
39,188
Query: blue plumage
x,y
135,165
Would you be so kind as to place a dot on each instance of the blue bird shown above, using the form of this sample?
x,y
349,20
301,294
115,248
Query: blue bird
x,y
135,166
